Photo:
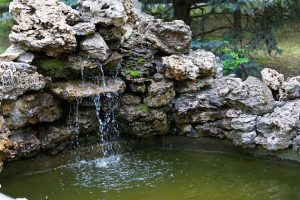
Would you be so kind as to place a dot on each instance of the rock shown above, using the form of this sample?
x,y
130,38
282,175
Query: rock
x,y
54,138
241,137
84,120
296,143
84,29
18,78
12,53
193,85
44,25
213,129
170,37
73,90
141,121
158,77
183,128
103,12
160,93
130,100
26,57
79,63
31,109
251,95
94,47
290,89
244,122
203,100
272,78
279,127
8,149
189,67
28,143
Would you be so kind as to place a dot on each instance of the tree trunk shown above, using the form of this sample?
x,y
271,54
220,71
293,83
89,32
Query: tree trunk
x,y
182,9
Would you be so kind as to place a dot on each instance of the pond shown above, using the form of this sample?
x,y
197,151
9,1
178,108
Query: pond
x,y
151,173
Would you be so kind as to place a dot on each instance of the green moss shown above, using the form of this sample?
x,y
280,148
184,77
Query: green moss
x,y
133,73
55,68
143,107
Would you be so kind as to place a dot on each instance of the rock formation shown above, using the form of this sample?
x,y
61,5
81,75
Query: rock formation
x,y
111,49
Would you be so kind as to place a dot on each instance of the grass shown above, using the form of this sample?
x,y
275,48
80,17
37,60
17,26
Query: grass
x,y
288,62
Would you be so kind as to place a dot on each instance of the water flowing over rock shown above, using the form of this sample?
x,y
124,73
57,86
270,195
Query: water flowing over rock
x,y
18,78
75,90
251,95
272,78
290,89
31,109
277,129
44,26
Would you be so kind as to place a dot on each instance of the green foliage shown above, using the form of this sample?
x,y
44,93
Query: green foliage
x,y
232,60
132,73
235,60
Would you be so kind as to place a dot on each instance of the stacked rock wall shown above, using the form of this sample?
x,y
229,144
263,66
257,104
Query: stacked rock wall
x,y
164,86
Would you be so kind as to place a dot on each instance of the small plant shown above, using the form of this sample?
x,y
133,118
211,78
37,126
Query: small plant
x,y
132,73
233,60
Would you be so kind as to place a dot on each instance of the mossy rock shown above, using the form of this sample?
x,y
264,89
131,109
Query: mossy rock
x,y
57,69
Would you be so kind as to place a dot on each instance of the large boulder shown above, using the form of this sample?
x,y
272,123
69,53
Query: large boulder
x,y
197,64
95,47
44,26
272,78
160,93
277,129
18,78
290,89
31,109
251,95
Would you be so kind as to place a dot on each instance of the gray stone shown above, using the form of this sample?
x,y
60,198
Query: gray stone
x,y
272,78
18,78
31,109
251,95
84,29
160,93
95,47
44,25
244,122
241,137
290,89
279,127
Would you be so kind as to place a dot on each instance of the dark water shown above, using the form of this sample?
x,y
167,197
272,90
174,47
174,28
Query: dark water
x,y
151,174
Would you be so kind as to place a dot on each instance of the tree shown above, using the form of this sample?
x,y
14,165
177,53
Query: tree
x,y
252,19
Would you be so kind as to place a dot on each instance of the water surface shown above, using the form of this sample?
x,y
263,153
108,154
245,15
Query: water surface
x,y
151,174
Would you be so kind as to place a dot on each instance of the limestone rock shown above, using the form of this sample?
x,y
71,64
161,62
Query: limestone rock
x,y
241,137
79,63
95,47
130,100
296,143
26,57
197,64
84,29
160,93
28,143
141,121
103,12
279,127
73,90
213,129
193,85
251,95
272,78
243,122
84,119
44,25
18,78
54,138
31,109
12,53
290,89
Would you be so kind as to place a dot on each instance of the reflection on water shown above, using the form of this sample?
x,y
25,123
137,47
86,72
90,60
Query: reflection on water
x,y
151,173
